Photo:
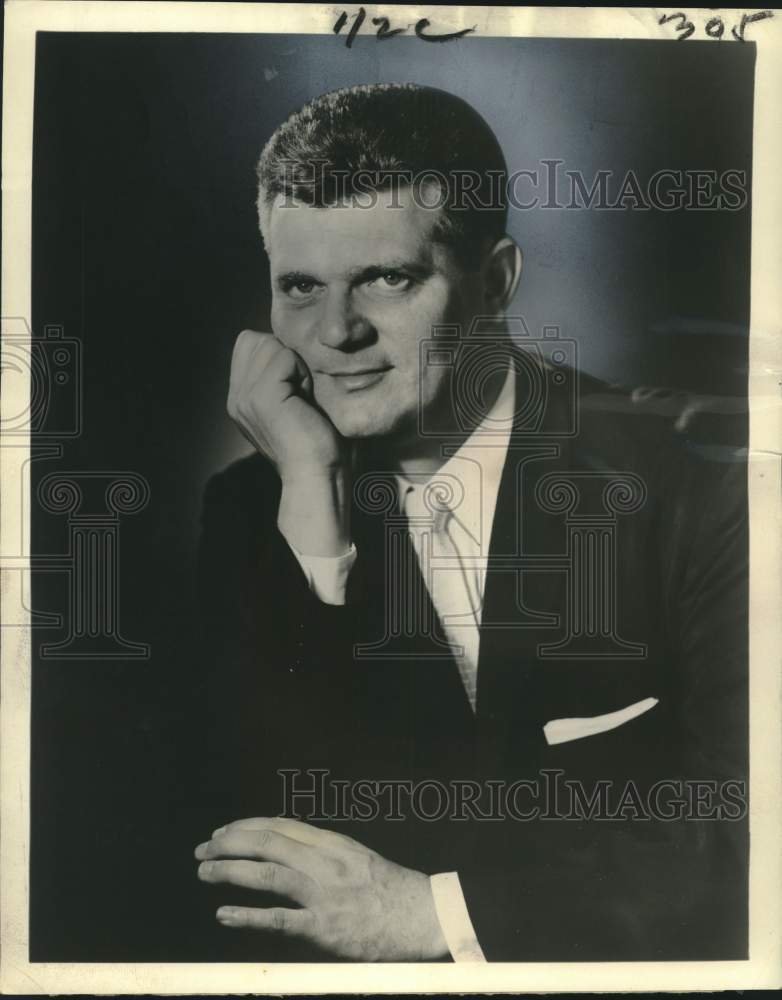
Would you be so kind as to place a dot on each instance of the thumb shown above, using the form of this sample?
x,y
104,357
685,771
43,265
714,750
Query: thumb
x,y
305,377
300,376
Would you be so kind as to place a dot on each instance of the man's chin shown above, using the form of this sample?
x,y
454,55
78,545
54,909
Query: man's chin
x,y
362,430
365,426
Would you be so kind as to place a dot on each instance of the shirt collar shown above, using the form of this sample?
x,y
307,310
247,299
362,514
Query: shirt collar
x,y
472,472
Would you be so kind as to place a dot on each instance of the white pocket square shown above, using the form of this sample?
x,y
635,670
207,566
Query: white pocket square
x,y
564,730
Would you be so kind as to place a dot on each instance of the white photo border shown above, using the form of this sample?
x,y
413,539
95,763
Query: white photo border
x,y
23,18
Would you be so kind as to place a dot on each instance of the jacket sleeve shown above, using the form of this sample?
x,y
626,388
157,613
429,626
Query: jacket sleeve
x,y
250,583
660,888
262,632
252,691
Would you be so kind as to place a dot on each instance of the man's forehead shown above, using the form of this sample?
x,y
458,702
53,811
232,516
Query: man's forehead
x,y
364,230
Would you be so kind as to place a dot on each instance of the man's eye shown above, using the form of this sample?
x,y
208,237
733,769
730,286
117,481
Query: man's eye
x,y
300,289
392,281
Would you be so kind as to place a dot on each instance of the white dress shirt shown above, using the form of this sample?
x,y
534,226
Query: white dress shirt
x,y
450,516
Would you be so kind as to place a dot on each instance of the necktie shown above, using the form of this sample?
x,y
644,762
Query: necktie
x,y
440,542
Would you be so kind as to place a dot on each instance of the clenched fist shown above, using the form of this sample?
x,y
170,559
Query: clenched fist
x,y
271,401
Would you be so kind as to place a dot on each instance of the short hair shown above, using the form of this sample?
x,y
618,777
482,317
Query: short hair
x,y
365,138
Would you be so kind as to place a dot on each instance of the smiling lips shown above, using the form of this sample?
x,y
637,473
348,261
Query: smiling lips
x,y
362,379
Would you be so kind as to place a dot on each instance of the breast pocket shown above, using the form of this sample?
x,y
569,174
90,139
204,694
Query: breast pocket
x,y
566,730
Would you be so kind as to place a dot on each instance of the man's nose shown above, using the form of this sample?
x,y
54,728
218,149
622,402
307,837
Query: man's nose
x,y
342,327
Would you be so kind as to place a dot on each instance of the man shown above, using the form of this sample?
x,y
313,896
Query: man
x,y
454,562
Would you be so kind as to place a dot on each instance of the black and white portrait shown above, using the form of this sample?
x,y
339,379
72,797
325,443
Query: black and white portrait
x,y
388,492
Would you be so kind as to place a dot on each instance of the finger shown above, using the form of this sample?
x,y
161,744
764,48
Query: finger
x,y
304,833
306,383
291,923
251,350
258,845
244,347
260,875
286,367
265,381
289,366
246,842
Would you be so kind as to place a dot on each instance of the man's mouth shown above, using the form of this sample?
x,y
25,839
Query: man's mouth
x,y
362,378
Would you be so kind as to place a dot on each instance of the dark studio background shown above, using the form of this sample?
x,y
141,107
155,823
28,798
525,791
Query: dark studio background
x,y
145,248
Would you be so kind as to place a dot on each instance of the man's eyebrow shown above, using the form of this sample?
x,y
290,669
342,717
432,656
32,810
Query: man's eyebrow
x,y
416,267
292,277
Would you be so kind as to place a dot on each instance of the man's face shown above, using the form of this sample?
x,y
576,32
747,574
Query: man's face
x,y
354,292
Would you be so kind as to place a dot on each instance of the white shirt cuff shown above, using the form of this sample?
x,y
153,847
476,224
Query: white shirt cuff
x,y
327,575
454,919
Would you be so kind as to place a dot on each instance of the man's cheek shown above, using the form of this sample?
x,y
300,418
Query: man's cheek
x,y
287,331
433,383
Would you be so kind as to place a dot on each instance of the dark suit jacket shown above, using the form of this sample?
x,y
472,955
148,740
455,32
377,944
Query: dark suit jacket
x,y
665,617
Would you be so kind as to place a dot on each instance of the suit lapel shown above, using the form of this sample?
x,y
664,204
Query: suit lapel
x,y
522,601
411,678
414,676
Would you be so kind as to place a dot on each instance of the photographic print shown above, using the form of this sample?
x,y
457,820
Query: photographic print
x,y
390,471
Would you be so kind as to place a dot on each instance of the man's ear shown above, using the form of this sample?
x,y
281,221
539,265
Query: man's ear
x,y
501,274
